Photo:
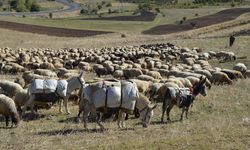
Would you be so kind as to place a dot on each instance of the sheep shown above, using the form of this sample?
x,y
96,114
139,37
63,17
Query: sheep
x,y
118,74
46,72
220,78
8,110
233,74
100,70
145,78
47,65
143,86
20,81
29,76
10,88
204,72
154,74
22,97
247,74
131,73
225,56
240,67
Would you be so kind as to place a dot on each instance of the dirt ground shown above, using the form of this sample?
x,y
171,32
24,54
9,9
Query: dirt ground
x,y
53,31
222,16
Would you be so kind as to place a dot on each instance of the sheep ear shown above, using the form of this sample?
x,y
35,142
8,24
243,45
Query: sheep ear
x,y
201,78
204,80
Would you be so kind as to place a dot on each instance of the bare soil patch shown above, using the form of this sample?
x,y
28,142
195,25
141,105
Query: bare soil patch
x,y
144,16
222,16
52,31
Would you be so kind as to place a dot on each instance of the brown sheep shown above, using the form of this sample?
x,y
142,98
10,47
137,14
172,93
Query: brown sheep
x,y
220,78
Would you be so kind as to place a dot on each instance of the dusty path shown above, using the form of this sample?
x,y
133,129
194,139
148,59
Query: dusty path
x,y
53,31
222,16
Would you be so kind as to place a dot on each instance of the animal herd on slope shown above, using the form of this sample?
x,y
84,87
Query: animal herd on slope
x,y
142,76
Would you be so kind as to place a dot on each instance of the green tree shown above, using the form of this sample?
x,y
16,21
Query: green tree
x,y
20,6
29,4
35,7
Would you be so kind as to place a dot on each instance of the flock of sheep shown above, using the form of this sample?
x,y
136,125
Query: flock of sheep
x,y
150,66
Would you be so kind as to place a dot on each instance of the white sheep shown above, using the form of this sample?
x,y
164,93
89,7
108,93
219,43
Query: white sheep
x,y
8,110
10,88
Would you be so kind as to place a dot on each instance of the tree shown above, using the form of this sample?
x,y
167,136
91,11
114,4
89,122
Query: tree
x,y
20,6
29,4
35,7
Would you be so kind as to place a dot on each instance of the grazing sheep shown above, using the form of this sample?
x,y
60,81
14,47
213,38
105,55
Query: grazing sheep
x,y
8,110
100,70
233,74
131,73
240,67
154,74
29,76
220,78
46,72
10,88
118,74
47,65
143,86
145,78
20,81
22,97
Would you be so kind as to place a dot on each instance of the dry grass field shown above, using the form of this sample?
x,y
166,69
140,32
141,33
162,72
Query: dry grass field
x,y
217,121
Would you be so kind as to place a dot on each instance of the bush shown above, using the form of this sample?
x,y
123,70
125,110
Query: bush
x,y
123,35
184,18
24,16
99,6
193,24
29,4
232,5
35,7
181,22
83,11
1,3
20,7
196,14
108,4
50,15
157,10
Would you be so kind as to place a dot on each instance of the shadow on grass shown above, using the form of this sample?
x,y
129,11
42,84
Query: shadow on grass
x,y
69,131
32,117
165,122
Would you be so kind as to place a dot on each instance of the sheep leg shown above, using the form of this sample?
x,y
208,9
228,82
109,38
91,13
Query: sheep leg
x,y
30,101
86,114
7,120
183,109
60,106
99,119
65,102
187,112
163,110
123,120
168,111
119,119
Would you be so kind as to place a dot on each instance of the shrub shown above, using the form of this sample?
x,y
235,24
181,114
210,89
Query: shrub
x,y
196,14
50,15
35,7
193,24
184,18
123,35
24,16
232,5
83,11
20,7
29,4
181,21
99,6
157,10
108,4
1,3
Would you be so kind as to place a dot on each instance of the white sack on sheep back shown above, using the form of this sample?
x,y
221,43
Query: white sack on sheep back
x,y
97,94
